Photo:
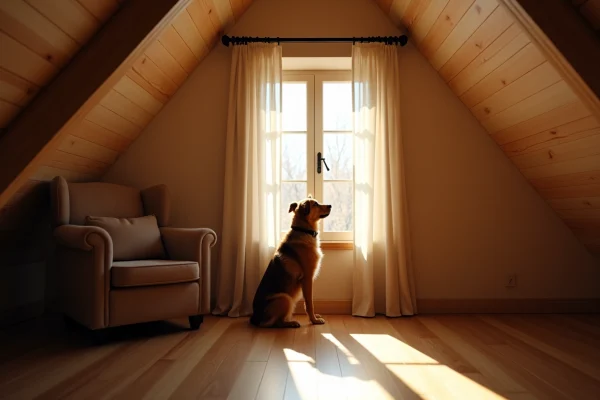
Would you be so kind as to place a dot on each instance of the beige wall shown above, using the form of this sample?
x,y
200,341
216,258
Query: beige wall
x,y
474,218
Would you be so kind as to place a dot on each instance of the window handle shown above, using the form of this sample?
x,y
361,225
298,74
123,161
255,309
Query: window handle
x,y
319,159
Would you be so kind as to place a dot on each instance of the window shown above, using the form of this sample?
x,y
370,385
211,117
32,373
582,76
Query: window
x,y
317,120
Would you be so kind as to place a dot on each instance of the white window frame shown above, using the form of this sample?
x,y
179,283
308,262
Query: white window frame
x,y
314,136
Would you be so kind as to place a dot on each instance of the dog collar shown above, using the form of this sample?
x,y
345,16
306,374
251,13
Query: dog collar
x,y
308,231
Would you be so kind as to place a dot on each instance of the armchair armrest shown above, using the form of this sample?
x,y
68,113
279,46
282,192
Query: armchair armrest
x,y
193,244
83,237
84,257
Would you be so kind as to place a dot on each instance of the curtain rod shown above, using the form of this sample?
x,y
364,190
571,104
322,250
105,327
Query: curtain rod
x,y
401,40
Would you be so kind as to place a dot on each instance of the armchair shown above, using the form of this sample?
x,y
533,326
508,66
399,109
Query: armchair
x,y
101,283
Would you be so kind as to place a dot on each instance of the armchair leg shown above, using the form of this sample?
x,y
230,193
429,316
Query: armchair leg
x,y
195,321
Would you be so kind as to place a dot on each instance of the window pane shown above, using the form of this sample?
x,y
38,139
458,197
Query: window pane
x,y
291,192
339,195
294,106
337,150
337,106
293,157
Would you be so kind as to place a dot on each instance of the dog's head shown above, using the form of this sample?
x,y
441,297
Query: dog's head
x,y
309,211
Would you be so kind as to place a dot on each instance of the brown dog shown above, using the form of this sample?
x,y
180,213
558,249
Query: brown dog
x,y
292,270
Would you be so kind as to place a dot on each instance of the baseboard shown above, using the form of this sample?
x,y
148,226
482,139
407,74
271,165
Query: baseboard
x,y
329,307
21,313
507,306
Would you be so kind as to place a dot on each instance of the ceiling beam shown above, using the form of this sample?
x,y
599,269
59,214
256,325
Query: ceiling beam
x,y
79,87
567,41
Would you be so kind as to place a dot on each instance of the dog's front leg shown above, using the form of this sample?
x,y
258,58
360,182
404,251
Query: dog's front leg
x,y
307,292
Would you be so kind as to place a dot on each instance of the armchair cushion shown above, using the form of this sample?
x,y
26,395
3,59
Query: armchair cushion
x,y
133,238
153,272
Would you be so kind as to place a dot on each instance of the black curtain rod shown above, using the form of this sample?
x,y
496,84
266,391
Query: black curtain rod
x,y
227,40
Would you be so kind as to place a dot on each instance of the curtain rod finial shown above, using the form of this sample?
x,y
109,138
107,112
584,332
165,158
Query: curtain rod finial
x,y
226,40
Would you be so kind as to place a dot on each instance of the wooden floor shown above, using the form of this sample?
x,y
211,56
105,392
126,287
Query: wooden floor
x,y
429,357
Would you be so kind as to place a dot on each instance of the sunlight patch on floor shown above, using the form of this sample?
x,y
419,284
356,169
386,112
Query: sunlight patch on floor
x,y
421,373
341,347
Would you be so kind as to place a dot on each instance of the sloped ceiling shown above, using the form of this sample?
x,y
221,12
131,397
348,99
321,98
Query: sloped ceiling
x,y
477,47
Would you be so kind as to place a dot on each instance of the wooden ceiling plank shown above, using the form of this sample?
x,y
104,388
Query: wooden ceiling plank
x,y
413,12
506,46
84,148
96,134
15,89
209,8
124,107
421,27
144,84
88,78
475,16
591,190
40,25
134,92
579,178
146,68
101,9
582,164
166,63
76,163
70,16
201,15
546,121
223,9
548,99
585,147
25,63
443,26
175,45
575,55
524,61
562,134
112,121
186,28
397,10
575,203
484,36
527,85
239,7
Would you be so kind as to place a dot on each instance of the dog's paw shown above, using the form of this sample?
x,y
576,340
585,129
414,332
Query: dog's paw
x,y
318,320
292,324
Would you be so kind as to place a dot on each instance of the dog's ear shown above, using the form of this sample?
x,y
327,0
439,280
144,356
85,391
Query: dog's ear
x,y
293,207
306,207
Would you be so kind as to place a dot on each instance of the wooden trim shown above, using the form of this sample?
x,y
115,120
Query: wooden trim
x,y
79,87
570,46
512,306
337,246
327,307
21,313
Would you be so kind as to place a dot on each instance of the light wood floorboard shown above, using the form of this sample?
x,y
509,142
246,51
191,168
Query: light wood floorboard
x,y
423,357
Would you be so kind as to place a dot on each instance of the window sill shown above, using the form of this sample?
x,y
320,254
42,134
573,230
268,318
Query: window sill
x,y
337,246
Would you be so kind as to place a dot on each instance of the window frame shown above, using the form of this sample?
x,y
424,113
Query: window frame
x,y
315,137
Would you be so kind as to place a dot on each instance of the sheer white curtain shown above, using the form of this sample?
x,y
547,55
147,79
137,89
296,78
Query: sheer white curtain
x,y
252,178
383,273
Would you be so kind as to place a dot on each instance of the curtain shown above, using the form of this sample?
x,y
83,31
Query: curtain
x,y
252,178
383,274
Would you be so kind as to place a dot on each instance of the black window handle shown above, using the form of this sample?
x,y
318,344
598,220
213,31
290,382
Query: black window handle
x,y
319,159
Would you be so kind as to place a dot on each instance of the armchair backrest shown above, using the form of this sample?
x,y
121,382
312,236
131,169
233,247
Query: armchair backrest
x,y
72,202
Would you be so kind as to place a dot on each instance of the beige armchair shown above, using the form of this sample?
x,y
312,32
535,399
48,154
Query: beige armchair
x,y
118,260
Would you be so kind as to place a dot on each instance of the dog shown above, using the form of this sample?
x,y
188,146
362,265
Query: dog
x,y
292,270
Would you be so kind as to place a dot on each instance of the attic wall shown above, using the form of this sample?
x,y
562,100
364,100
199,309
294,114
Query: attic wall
x,y
536,116
474,218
